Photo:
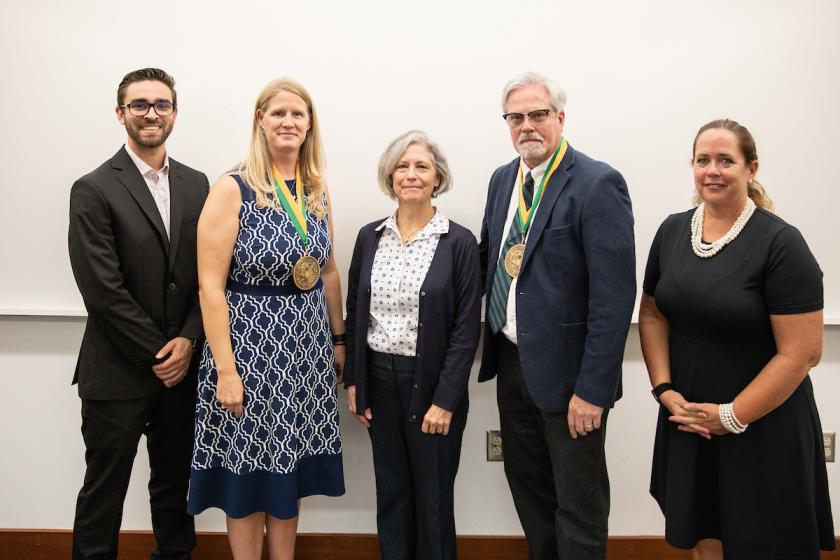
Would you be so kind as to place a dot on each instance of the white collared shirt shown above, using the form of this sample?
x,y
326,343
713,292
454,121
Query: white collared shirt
x,y
509,328
398,273
158,183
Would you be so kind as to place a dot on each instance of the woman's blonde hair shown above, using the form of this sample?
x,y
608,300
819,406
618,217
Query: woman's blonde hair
x,y
746,143
256,168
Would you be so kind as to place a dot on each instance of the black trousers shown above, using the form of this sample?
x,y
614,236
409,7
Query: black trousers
x,y
415,472
559,484
112,430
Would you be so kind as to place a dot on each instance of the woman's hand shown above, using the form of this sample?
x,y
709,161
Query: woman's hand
x,y
365,418
689,420
230,393
436,421
711,417
338,354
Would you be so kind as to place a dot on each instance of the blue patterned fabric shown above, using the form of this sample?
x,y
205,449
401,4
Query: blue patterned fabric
x,y
286,444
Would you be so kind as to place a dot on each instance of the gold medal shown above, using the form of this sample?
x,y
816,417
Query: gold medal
x,y
306,272
513,259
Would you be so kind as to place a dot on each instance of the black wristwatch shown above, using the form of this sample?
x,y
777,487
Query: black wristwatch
x,y
659,389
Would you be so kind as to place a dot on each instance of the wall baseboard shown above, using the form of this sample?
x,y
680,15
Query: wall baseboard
x,y
39,544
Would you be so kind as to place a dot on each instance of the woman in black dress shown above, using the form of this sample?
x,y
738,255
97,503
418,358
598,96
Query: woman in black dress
x,y
730,323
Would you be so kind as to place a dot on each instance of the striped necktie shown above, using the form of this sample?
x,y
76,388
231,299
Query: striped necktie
x,y
497,310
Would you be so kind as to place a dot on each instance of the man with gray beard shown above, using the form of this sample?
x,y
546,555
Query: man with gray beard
x,y
558,264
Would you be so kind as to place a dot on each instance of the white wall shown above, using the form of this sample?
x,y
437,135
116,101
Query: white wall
x,y
642,76
43,453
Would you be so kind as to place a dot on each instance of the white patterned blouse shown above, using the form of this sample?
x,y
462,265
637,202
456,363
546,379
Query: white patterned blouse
x,y
398,272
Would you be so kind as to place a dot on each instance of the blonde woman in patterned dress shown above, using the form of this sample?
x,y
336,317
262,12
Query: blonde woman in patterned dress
x,y
266,420
412,331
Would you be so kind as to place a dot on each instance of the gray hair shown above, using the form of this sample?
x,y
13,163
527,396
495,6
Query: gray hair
x,y
392,154
556,94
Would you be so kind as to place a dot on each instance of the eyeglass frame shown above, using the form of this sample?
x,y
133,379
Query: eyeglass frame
x,y
149,108
529,116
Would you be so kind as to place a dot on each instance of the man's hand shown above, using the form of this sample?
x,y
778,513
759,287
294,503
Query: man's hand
x,y
583,417
174,368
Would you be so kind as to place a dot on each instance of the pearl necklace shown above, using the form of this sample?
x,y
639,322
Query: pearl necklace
x,y
707,250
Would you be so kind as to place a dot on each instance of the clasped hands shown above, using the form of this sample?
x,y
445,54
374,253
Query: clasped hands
x,y
702,419
174,368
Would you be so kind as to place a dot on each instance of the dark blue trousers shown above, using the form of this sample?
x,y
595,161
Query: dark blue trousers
x,y
415,472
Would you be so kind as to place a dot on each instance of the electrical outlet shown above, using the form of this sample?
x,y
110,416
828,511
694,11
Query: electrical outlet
x,y
828,446
494,445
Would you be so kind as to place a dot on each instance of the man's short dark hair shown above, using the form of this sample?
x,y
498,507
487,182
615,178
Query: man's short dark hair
x,y
145,74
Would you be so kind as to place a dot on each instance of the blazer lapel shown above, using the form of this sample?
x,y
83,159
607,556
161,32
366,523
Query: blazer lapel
x,y
129,176
507,181
549,198
176,208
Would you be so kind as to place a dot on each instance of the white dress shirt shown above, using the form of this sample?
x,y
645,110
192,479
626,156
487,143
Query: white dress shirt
x,y
158,183
399,270
509,328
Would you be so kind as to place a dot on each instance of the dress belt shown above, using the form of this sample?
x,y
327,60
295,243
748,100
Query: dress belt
x,y
268,290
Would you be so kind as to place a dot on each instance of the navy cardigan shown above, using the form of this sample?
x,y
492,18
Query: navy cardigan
x,y
449,322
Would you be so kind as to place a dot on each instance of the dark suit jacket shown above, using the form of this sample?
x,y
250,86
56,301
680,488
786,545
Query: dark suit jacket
x,y
449,321
577,283
140,288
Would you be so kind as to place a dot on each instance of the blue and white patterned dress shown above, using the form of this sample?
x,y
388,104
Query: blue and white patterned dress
x,y
286,444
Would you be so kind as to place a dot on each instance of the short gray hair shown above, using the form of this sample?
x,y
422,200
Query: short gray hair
x,y
556,94
392,154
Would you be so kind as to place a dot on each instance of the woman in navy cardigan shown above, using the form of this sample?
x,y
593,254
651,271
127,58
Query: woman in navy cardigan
x,y
412,329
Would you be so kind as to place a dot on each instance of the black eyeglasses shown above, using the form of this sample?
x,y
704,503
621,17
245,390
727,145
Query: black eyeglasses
x,y
536,117
141,108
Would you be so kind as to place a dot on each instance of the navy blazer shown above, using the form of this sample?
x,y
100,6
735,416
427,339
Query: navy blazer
x,y
448,324
576,286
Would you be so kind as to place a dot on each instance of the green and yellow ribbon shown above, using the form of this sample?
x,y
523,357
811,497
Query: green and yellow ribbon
x,y
525,214
295,209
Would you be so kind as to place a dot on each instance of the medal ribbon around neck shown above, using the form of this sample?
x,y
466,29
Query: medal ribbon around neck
x,y
525,214
295,209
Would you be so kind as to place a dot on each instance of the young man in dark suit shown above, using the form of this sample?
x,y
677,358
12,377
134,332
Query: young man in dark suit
x,y
133,251
559,269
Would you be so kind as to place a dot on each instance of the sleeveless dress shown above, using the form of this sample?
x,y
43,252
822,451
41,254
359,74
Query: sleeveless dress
x,y
764,492
286,444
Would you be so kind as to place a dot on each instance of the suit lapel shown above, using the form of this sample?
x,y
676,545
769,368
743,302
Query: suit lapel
x,y
552,192
505,190
129,176
176,208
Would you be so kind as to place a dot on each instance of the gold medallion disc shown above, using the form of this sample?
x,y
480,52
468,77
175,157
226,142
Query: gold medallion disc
x,y
513,259
306,272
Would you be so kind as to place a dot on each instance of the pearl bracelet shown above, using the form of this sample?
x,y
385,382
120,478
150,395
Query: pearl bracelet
x,y
729,420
